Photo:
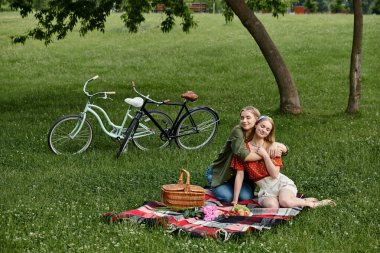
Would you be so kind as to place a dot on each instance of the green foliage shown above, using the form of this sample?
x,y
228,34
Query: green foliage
x,y
133,15
193,213
376,7
52,203
276,7
339,6
311,6
323,6
134,10
61,16
342,6
39,4
4,5
227,12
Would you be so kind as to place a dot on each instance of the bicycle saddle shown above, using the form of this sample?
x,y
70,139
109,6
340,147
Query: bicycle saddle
x,y
190,95
136,102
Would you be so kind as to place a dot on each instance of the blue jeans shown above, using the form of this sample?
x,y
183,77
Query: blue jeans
x,y
225,191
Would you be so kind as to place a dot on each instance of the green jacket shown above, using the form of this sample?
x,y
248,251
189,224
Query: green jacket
x,y
221,171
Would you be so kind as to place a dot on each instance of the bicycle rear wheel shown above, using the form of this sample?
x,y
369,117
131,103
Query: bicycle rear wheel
x,y
61,137
197,128
148,135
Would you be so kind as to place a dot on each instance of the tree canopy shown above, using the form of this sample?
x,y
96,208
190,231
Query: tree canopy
x,y
61,16
56,18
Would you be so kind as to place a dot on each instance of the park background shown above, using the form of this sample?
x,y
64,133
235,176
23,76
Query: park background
x,y
52,203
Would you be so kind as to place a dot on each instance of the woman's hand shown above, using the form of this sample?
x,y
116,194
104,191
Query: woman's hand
x,y
277,149
262,152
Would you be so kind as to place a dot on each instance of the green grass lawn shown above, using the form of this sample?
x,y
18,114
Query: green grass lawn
x,y
52,203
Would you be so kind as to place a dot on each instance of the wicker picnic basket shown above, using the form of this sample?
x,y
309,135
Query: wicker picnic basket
x,y
181,195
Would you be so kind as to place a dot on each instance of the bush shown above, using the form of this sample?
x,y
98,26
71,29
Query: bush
x,y
340,7
310,6
376,7
323,6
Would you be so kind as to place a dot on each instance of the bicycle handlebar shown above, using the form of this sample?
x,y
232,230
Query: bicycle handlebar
x,y
105,93
147,96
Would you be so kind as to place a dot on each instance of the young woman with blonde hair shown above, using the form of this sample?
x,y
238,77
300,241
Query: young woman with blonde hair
x,y
276,189
220,176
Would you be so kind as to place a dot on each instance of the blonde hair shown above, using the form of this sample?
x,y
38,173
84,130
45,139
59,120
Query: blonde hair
x,y
251,109
271,136
255,113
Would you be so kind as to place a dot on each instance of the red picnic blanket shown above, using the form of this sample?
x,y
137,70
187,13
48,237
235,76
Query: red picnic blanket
x,y
223,227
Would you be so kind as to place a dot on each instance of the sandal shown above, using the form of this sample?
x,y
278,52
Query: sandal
x,y
325,202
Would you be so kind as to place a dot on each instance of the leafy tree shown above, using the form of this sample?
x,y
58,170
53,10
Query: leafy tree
x,y
61,16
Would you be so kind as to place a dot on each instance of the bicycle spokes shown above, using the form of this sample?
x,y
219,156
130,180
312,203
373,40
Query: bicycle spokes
x,y
196,129
66,137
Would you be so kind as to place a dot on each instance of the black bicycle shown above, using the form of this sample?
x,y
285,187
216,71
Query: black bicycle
x,y
191,129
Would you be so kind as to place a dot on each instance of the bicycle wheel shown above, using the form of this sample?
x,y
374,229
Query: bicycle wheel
x,y
128,135
61,139
197,128
148,135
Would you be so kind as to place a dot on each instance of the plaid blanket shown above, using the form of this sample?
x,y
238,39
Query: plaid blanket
x,y
224,227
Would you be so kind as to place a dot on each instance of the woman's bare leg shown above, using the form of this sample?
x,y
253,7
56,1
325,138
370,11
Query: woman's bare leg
x,y
270,202
288,199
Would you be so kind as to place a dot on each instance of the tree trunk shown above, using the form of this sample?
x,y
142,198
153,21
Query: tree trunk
x,y
356,55
289,100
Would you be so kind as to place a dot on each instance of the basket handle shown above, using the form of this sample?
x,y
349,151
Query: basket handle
x,y
180,180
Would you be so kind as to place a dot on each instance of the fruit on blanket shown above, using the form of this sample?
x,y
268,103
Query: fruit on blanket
x,y
239,210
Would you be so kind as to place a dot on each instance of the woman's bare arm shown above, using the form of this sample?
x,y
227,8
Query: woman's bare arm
x,y
253,156
237,186
272,169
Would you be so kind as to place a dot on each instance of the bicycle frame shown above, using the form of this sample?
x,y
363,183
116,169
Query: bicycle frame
x,y
168,134
117,130
92,108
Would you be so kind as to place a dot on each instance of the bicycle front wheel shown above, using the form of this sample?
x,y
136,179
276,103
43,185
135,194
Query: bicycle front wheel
x,y
148,135
197,128
68,137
